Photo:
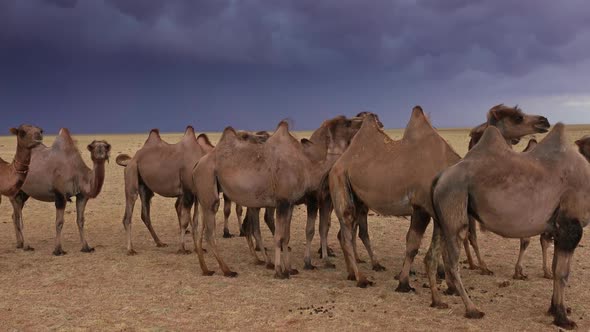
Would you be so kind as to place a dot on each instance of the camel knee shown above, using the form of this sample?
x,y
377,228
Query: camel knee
x,y
568,234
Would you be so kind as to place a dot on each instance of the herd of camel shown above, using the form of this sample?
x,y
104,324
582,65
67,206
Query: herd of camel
x,y
351,166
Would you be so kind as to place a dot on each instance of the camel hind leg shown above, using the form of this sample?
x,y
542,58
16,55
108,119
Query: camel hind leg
x,y
81,202
312,214
131,192
18,203
472,237
518,271
418,223
145,196
545,243
183,209
239,213
363,234
209,234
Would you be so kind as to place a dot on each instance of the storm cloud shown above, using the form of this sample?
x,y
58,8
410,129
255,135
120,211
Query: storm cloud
x,y
150,63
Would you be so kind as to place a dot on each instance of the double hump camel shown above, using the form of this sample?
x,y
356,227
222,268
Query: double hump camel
x,y
393,178
278,173
58,173
165,169
548,186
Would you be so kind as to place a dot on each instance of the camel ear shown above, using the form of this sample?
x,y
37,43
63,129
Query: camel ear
x,y
495,114
14,131
306,142
108,147
90,146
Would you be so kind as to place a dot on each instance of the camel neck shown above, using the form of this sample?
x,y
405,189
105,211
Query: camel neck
x,y
96,179
21,161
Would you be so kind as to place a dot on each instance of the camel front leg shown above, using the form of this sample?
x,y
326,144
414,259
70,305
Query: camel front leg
x,y
252,217
60,206
269,219
226,214
518,271
546,240
312,213
325,215
431,264
282,267
239,213
418,223
18,202
81,202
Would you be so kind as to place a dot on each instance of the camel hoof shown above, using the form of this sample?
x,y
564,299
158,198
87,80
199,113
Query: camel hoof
x,y
328,265
208,273
230,274
131,252
439,305
183,252
440,275
520,276
486,272
161,245
360,261
474,314
281,275
548,276
293,272
59,252
309,266
379,268
565,323
363,283
404,288
257,248
87,249
227,234
270,266
351,277
28,248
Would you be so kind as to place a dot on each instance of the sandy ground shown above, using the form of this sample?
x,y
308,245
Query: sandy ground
x,y
159,290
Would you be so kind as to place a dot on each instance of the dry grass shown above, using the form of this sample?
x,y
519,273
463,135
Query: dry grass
x,y
160,290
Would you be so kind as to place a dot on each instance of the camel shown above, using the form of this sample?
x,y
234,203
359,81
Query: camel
x,y
165,169
13,175
584,146
58,173
279,173
393,178
549,187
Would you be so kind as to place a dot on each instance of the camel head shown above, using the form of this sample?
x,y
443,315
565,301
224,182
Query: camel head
x,y
584,146
99,151
28,136
341,130
513,123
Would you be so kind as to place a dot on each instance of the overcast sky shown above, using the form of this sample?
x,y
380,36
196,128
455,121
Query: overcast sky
x,y
129,65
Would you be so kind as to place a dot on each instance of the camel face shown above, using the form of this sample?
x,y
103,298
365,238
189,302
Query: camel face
x,y
514,123
28,136
99,150
584,146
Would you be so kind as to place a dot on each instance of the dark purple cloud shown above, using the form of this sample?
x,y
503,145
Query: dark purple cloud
x,y
273,58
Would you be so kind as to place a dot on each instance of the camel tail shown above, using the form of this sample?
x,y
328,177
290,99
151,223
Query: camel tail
x,y
123,160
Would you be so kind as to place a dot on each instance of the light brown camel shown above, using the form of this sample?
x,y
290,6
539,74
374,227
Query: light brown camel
x,y
513,117
279,173
165,169
58,173
394,178
584,146
549,187
13,175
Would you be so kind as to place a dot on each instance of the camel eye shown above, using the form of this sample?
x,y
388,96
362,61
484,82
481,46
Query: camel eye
x,y
519,118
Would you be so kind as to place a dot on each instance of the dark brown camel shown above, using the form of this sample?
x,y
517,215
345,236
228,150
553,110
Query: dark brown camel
x,y
58,173
279,173
165,169
549,187
394,178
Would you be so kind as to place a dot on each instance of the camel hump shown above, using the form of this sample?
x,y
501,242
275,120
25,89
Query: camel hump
x,y
419,125
154,136
491,139
555,140
203,140
64,138
531,145
284,125
189,130
229,133
123,160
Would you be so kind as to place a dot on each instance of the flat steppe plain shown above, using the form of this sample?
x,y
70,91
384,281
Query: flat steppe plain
x,y
159,290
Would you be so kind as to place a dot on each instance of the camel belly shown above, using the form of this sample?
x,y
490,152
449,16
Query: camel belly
x,y
164,182
250,190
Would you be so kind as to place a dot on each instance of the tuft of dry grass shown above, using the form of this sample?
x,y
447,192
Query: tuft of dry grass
x,y
159,290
